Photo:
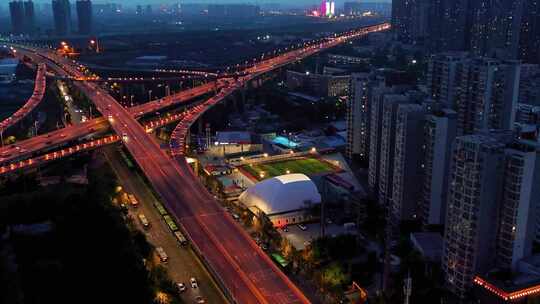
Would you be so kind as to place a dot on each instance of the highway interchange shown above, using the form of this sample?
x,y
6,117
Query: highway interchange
x,y
241,268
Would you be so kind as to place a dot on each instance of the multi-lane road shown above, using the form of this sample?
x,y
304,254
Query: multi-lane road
x,y
245,273
28,147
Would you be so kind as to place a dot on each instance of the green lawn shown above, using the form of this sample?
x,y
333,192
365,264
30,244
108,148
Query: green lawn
x,y
308,166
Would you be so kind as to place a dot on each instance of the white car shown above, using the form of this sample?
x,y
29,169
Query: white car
x,y
193,283
181,287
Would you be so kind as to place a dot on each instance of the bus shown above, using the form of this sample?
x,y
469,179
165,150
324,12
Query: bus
x,y
181,238
144,221
133,201
162,211
162,255
170,222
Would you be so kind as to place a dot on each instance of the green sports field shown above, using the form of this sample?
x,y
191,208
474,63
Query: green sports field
x,y
308,166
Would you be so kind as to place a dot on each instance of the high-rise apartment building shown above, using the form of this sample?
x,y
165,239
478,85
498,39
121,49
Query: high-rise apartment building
x,y
476,174
439,134
29,17
387,142
84,16
62,16
16,11
529,46
519,204
408,163
358,118
376,102
495,26
23,17
442,77
492,208
487,93
402,19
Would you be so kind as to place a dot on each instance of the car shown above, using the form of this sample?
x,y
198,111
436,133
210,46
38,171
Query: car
x,y
302,227
264,246
125,137
199,300
193,283
235,216
285,229
181,287
124,208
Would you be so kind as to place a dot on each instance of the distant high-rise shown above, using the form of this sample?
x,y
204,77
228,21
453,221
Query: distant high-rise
x,y
495,26
16,10
62,16
29,17
352,8
84,15
529,50
447,30
402,19
22,17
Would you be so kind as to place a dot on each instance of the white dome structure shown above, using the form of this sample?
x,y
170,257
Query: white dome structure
x,y
281,194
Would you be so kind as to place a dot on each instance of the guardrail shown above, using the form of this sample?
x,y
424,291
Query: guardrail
x,y
31,103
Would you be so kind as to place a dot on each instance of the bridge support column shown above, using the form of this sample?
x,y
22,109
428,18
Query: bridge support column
x,y
200,126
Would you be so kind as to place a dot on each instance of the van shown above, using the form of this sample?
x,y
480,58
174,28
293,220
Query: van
x,y
162,255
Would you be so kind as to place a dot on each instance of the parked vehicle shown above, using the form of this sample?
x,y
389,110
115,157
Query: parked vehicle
x,y
181,238
162,255
193,283
144,221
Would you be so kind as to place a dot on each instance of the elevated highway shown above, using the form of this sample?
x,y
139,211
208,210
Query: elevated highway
x,y
246,273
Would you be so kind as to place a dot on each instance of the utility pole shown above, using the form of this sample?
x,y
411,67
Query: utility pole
x,y
407,288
